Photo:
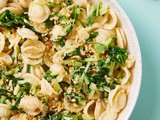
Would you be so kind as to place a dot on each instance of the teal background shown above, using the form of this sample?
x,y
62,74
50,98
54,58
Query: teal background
x,y
145,16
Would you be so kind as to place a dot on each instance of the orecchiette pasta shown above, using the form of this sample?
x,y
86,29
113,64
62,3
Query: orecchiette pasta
x,y
62,59
14,8
112,21
32,79
4,111
42,13
121,41
31,105
2,42
47,89
27,33
5,59
117,99
3,3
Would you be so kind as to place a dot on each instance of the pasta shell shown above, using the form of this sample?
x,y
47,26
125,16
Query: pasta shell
x,y
83,34
32,79
14,8
111,113
48,57
58,69
31,105
117,99
93,27
41,14
25,3
127,87
121,41
27,33
101,19
3,3
69,106
40,27
13,39
104,35
37,71
104,116
57,32
112,20
20,117
130,61
46,88
38,44
2,42
31,61
89,110
4,111
127,76
5,59
99,109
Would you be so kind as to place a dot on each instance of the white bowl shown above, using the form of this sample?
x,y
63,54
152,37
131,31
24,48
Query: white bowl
x,y
134,49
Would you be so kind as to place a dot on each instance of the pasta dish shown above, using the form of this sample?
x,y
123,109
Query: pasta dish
x,y
62,60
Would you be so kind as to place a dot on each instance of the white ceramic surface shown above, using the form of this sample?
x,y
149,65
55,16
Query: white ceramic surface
x,y
134,49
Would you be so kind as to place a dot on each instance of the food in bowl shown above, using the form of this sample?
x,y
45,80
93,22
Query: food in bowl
x,y
62,60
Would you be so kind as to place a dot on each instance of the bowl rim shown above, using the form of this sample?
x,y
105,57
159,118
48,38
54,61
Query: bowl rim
x,y
138,87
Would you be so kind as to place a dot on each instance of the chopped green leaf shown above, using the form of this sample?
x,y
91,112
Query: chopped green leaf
x,y
101,49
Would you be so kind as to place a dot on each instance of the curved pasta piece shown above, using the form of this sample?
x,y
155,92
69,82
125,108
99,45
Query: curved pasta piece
x,y
83,34
93,27
41,14
14,8
57,32
31,61
4,111
37,71
69,106
101,19
127,75
117,99
99,109
121,41
104,116
27,33
20,117
46,88
25,3
33,55
48,57
3,3
130,61
57,57
13,39
89,110
104,35
111,113
32,79
126,87
58,69
80,3
31,105
2,42
40,46
40,27
112,20
5,59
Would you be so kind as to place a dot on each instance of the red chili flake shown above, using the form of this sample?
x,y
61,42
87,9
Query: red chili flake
x,y
82,55
106,54
71,84
115,42
79,83
70,66
95,72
